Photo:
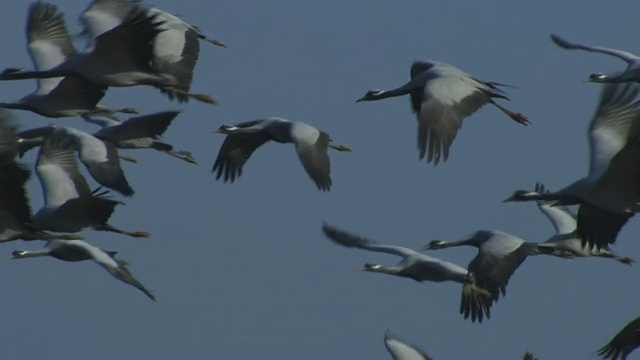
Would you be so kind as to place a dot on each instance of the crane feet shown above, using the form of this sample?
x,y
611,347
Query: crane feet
x,y
204,98
626,260
200,97
342,148
182,155
128,158
517,117
216,42
520,118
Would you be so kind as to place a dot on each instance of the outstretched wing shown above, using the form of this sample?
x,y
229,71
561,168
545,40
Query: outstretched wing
x,y
311,147
49,43
627,57
403,351
563,219
347,239
625,341
147,126
57,169
615,123
234,153
450,95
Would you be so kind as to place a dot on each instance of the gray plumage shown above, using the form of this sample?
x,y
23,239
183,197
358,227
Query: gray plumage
x,y
99,157
132,40
49,45
243,139
16,221
78,250
400,350
499,255
417,266
623,343
631,73
442,96
610,194
565,242
70,206
175,49
139,132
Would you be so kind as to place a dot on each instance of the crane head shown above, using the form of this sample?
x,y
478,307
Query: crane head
x,y
371,95
435,244
369,267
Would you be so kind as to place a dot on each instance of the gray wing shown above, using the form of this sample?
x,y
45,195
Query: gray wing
x,y
623,343
315,160
627,57
234,153
110,173
133,38
147,126
492,271
563,219
48,41
347,239
115,267
615,123
599,228
181,70
57,169
447,100
403,351
103,15
123,274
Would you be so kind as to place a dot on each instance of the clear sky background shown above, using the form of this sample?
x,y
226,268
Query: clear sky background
x,y
243,271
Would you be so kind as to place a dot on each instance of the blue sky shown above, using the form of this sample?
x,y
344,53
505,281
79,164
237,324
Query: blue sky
x,y
243,271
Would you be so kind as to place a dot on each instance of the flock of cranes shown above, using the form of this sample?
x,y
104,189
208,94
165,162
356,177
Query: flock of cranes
x,y
130,44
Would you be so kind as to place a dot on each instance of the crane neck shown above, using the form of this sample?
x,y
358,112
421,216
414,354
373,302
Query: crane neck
x,y
28,254
17,105
20,75
390,270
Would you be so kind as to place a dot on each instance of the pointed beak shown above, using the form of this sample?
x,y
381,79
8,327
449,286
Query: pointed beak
x,y
586,81
216,131
361,269
509,199
361,99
